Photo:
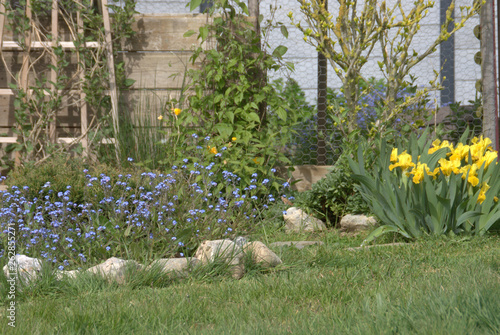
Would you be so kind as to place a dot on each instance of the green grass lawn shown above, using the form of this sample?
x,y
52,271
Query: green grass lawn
x,y
440,286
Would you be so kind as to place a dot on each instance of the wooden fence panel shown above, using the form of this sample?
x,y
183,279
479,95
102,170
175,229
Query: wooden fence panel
x,y
156,58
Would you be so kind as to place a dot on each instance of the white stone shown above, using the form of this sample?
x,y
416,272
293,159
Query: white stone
x,y
261,254
114,269
225,250
27,268
353,223
297,221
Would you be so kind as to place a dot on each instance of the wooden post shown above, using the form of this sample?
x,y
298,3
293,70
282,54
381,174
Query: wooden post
x,y
322,85
112,77
83,104
490,116
53,73
3,12
254,12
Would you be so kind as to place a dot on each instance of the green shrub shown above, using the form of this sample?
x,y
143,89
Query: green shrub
x,y
334,196
62,171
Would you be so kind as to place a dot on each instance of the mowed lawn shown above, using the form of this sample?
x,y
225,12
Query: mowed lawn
x,y
437,286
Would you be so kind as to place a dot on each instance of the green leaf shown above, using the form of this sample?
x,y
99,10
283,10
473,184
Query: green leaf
x,y
193,4
284,31
281,113
253,117
379,232
203,33
225,130
129,82
280,51
189,33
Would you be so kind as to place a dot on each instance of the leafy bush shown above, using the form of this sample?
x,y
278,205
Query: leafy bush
x,y
141,215
232,97
334,196
436,188
62,171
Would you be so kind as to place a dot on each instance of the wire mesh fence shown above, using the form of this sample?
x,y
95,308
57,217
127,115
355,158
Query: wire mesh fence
x,y
313,85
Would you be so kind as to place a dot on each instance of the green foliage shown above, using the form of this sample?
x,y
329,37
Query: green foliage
x,y
348,39
232,98
449,190
334,196
100,212
54,175
302,145
36,106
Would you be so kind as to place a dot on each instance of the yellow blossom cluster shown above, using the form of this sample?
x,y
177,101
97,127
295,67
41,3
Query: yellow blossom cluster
x,y
456,162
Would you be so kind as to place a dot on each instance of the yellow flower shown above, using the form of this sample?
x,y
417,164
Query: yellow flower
x,y
481,197
160,117
394,155
212,150
403,161
418,172
257,160
233,139
482,193
472,169
487,158
460,152
437,144
449,166
177,111
495,199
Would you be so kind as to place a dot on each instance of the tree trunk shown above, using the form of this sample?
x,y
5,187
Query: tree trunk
x,y
490,117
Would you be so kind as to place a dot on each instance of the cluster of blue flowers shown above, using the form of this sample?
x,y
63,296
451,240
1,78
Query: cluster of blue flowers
x,y
151,211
